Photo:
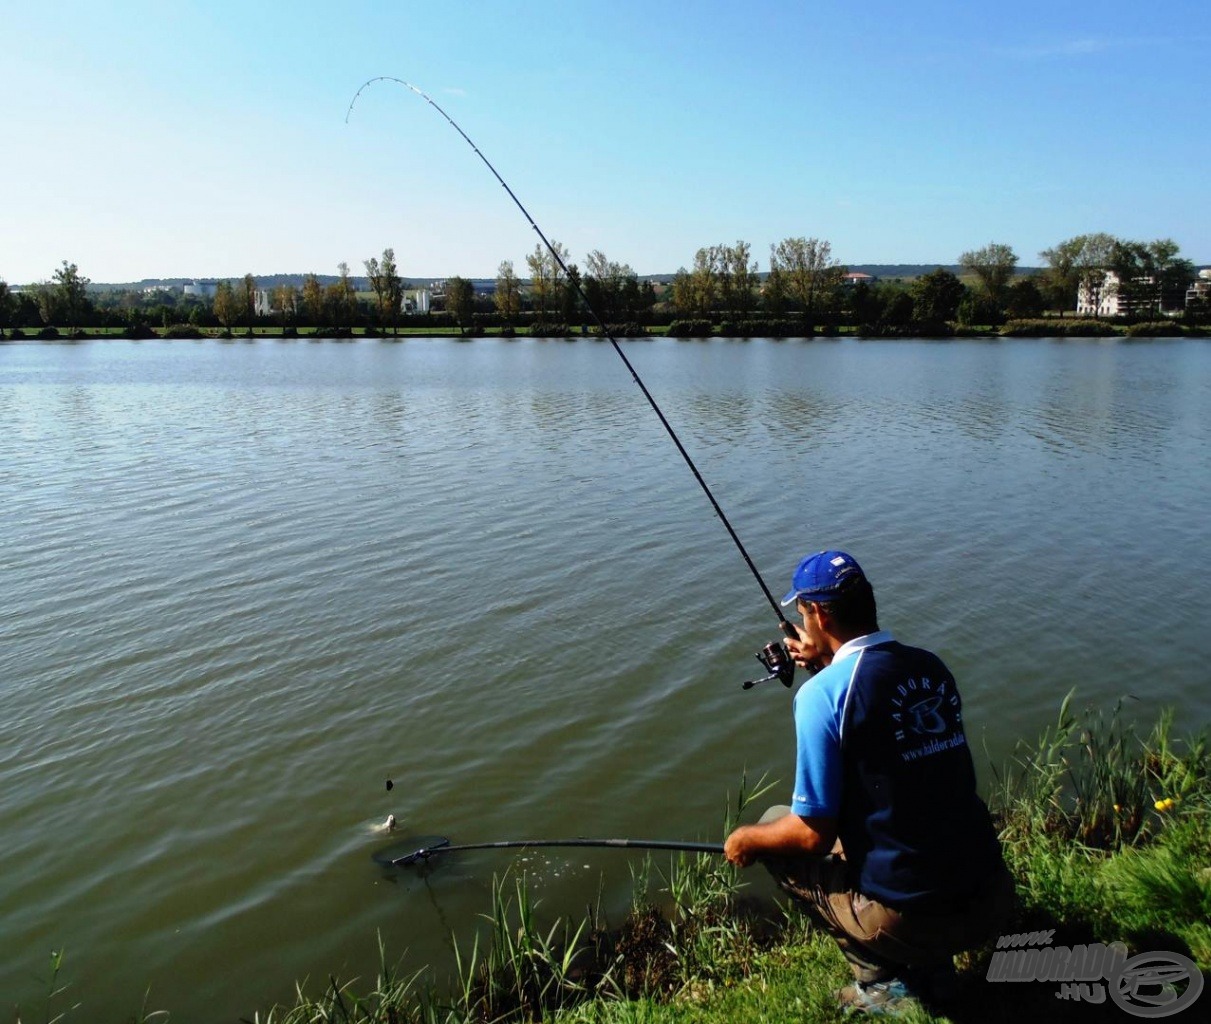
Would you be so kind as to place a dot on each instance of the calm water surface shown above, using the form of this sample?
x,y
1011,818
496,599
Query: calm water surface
x,y
243,584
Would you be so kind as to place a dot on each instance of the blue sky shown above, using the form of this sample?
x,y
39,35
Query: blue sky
x,y
209,139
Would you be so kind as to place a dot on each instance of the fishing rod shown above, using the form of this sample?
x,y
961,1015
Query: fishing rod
x,y
774,656
434,845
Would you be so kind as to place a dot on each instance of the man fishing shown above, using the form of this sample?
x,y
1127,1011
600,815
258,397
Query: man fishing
x,y
886,842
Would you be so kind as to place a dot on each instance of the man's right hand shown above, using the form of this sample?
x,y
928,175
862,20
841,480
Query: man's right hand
x,y
787,836
804,653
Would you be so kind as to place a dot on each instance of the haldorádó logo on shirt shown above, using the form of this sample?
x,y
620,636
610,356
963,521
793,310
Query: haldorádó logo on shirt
x,y
923,709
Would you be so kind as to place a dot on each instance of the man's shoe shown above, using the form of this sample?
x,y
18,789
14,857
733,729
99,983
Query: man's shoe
x,y
887,998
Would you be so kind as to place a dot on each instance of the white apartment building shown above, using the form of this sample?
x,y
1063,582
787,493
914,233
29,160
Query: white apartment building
x,y
1103,296
1099,296
1200,289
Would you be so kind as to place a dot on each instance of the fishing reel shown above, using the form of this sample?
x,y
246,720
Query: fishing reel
x,y
778,663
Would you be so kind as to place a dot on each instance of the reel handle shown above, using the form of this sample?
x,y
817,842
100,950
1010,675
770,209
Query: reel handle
x,y
777,662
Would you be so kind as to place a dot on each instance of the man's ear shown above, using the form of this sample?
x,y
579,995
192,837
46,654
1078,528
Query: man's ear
x,y
826,620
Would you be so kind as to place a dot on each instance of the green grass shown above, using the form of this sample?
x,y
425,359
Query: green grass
x,y
1109,834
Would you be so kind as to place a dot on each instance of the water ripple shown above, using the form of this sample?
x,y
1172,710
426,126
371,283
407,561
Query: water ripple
x,y
243,585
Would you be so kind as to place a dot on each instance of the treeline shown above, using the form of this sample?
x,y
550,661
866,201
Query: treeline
x,y
805,288
67,302
802,290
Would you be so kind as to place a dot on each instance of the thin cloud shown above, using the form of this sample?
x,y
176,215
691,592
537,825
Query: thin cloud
x,y
1082,47
453,90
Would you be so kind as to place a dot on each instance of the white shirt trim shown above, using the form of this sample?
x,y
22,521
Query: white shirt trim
x,y
858,642
855,646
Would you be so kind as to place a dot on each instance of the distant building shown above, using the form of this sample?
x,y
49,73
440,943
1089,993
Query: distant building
x,y
480,286
200,289
1105,295
1200,290
856,278
1098,295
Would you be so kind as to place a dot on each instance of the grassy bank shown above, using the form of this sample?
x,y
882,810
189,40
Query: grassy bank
x,y
1108,835
1107,832
1052,327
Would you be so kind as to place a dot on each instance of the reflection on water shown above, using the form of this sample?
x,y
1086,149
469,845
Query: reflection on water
x,y
243,584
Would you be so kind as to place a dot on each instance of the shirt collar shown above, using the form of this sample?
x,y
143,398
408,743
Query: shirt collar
x,y
857,643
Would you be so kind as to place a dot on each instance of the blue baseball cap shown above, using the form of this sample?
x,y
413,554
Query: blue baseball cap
x,y
823,576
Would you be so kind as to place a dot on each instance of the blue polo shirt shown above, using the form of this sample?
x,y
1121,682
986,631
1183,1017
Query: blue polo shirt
x,y
880,747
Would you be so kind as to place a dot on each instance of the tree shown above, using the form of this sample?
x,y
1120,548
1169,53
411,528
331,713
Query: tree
x,y
1077,264
1173,273
555,272
285,303
604,284
865,305
227,305
737,277
773,292
313,300
635,298
569,306
72,294
647,296
375,276
704,280
723,277
683,292
1150,277
247,300
508,294
26,309
547,279
342,299
806,271
899,310
460,301
7,305
978,310
1024,299
993,267
388,288
540,280
936,296
46,298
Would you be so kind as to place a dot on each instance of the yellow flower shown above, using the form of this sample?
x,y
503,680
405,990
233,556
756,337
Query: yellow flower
x,y
1164,805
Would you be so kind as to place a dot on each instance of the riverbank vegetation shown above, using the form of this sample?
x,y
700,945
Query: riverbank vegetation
x,y
1107,833
802,292
437,326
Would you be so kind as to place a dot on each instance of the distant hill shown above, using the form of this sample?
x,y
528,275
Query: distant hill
x,y
361,284
890,271
883,271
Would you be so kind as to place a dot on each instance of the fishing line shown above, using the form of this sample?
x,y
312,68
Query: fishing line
x,y
773,656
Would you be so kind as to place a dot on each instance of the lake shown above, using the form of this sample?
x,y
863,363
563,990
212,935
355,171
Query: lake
x,y
243,584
